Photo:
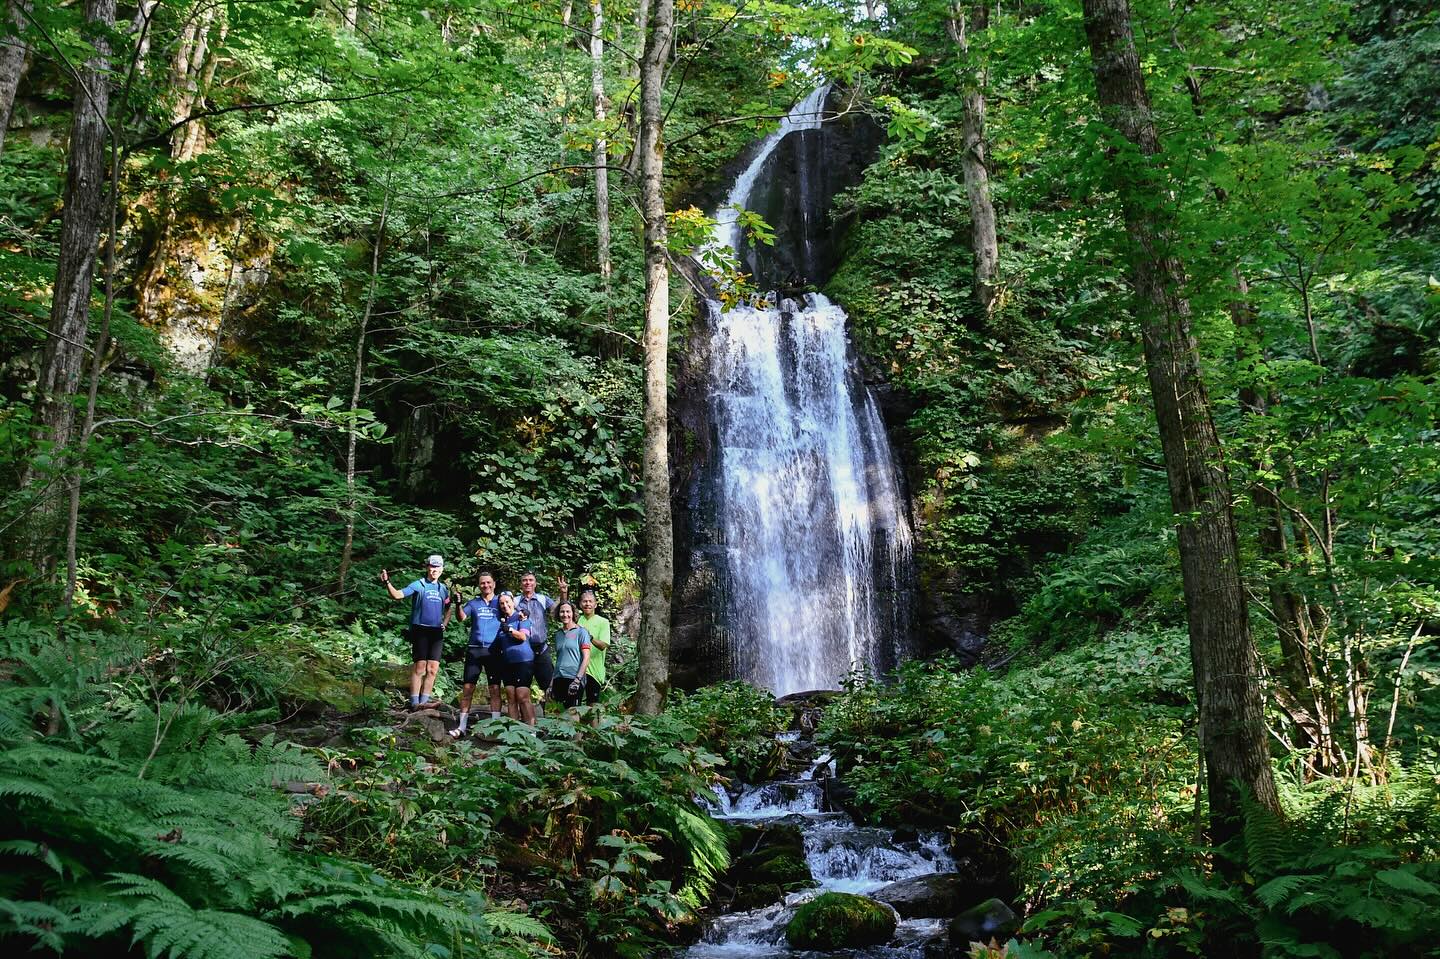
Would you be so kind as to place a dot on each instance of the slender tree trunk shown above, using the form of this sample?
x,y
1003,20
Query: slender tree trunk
x,y
1292,625
983,239
629,107
602,150
14,59
140,28
191,73
75,272
654,649
348,551
1221,650
350,15
97,367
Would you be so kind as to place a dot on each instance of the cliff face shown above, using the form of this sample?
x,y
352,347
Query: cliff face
x,y
795,194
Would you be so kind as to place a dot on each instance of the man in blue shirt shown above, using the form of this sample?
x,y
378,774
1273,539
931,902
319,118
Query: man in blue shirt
x,y
429,601
483,615
538,607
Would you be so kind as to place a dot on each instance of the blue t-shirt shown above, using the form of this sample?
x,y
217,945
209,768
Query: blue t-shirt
x,y
428,606
484,618
570,646
516,650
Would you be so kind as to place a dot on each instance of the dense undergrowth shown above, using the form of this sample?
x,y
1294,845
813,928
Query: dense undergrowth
x,y
1080,771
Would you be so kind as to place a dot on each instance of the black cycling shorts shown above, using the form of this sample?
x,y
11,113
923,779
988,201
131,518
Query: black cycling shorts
x,y
520,675
427,643
560,692
544,669
592,690
480,659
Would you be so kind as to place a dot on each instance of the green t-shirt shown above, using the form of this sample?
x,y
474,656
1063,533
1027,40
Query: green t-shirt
x,y
599,629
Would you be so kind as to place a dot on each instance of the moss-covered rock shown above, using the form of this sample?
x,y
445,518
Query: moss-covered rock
x,y
837,920
780,867
767,862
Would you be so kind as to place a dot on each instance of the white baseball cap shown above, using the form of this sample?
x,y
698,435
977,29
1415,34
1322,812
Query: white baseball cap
x,y
435,560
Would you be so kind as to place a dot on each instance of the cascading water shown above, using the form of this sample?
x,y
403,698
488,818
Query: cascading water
x,y
841,857
817,545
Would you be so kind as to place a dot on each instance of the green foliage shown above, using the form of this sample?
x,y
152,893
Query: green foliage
x,y
158,829
1023,759
604,810
739,722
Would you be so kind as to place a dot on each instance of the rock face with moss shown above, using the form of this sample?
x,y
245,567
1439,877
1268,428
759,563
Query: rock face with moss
x,y
767,862
837,920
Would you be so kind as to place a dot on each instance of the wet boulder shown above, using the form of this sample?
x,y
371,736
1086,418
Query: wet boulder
x,y
992,919
945,895
939,896
838,920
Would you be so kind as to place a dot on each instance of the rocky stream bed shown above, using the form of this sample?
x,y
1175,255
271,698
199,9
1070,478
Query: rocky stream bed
x,y
808,880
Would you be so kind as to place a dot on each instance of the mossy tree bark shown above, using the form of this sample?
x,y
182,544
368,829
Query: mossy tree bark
x,y
65,348
14,58
984,241
654,649
1232,726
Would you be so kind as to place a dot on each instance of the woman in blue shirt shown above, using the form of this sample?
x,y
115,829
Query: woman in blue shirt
x,y
572,657
519,658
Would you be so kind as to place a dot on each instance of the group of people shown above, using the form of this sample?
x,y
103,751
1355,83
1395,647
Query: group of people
x,y
510,642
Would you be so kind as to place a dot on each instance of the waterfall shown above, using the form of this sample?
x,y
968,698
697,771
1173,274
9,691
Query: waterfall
x,y
816,540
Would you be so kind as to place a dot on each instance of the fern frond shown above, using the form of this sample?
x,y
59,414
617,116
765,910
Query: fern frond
x,y
1284,888
206,934
518,924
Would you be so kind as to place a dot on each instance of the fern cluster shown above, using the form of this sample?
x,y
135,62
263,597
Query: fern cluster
x,y
157,831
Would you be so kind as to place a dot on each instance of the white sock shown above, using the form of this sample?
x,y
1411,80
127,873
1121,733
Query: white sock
x,y
494,714
464,720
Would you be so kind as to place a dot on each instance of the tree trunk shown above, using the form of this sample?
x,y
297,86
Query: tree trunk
x,y
1299,684
983,240
348,551
628,107
97,367
14,59
191,73
602,150
1221,650
75,272
1297,693
140,28
654,648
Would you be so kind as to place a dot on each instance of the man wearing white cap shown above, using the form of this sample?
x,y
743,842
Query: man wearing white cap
x,y
429,601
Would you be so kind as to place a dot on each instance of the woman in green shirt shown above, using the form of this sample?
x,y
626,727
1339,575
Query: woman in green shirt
x,y
599,629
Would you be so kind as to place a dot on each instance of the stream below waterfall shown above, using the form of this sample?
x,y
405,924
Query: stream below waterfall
x,y
841,855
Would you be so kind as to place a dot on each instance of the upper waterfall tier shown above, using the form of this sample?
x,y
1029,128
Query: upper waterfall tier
x,y
790,178
808,114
